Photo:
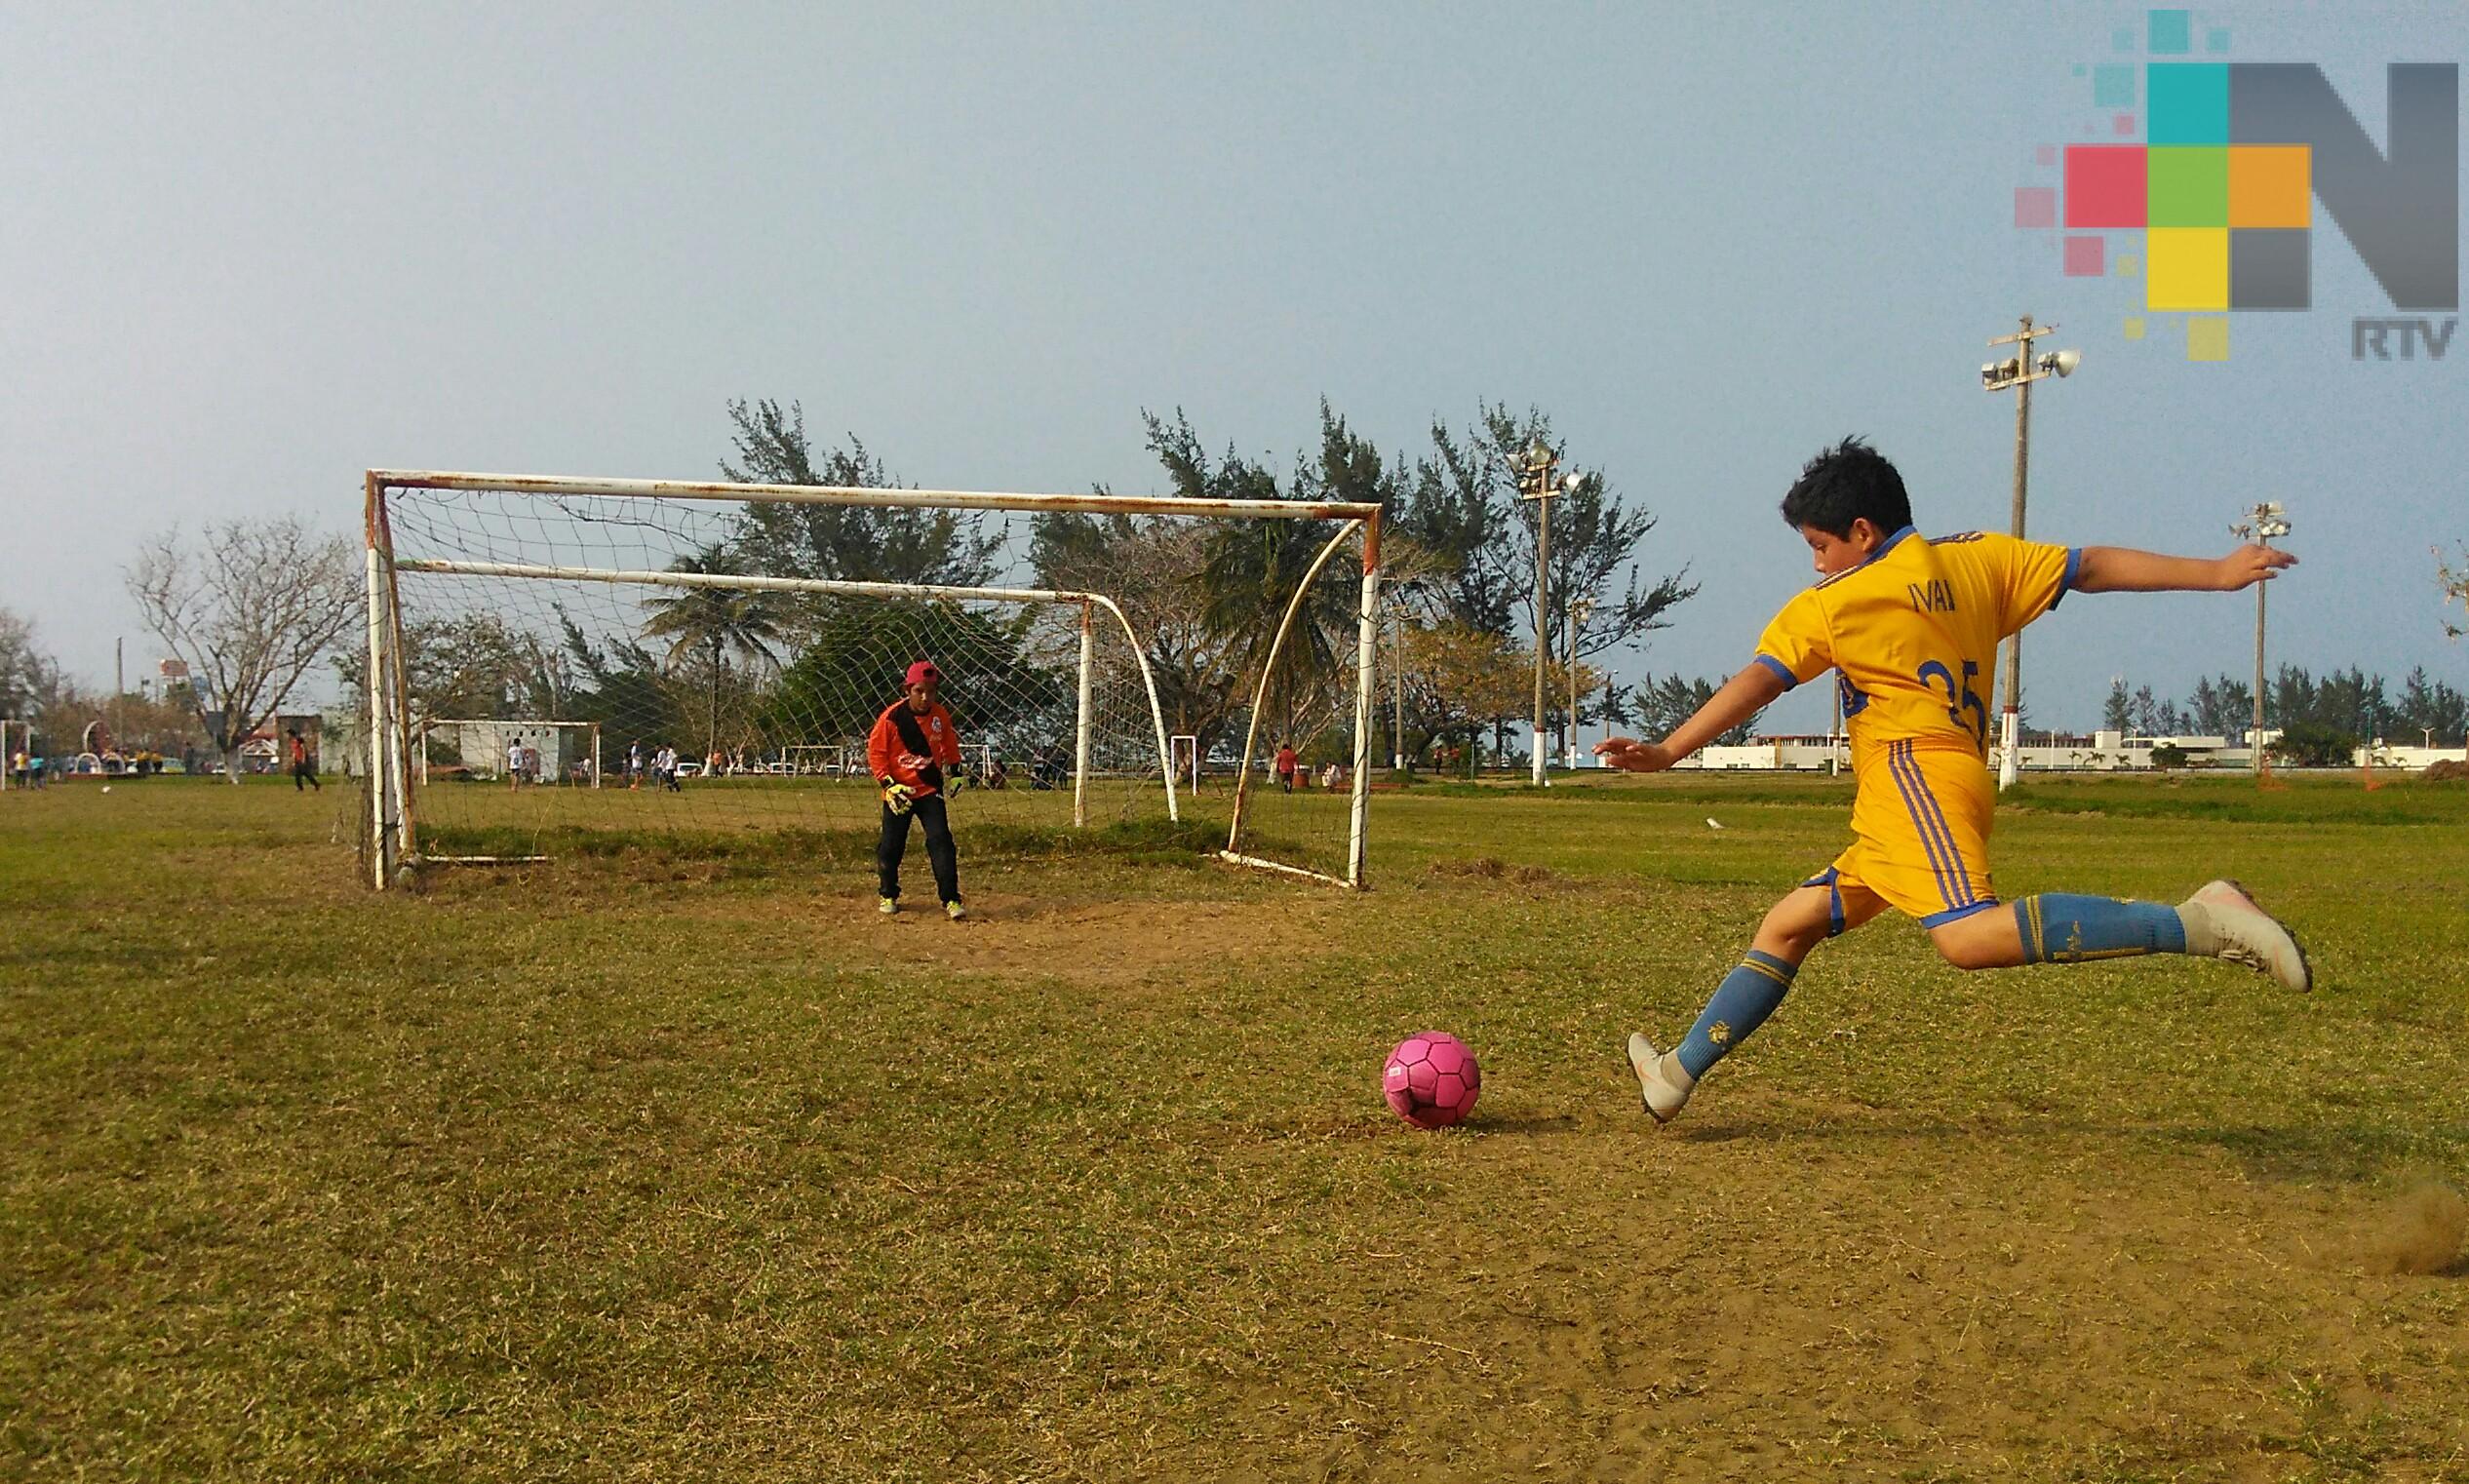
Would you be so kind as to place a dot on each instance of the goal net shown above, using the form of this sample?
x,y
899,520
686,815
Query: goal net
x,y
551,658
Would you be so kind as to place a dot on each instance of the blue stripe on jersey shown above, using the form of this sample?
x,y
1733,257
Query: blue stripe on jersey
x,y
1946,832
2074,571
1883,547
1896,753
1781,670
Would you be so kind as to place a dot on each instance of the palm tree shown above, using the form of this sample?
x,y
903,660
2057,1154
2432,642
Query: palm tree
x,y
713,619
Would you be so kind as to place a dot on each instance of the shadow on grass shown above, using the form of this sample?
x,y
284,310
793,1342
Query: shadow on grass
x,y
2340,1153
756,853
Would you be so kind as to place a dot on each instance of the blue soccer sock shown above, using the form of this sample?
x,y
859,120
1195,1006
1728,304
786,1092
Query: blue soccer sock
x,y
2060,928
1740,1006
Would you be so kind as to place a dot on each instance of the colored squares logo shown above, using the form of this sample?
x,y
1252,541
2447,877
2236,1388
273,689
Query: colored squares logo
x,y
2270,185
2105,185
2188,187
2189,268
2227,224
2188,102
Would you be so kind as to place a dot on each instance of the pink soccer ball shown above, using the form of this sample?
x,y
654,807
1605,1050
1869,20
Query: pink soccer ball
x,y
1432,1080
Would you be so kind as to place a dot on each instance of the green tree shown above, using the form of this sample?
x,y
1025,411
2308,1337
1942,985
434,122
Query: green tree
x,y
1461,507
2310,743
1663,705
29,678
618,684
2224,707
1151,566
859,543
2117,713
999,685
709,622
2427,705
1252,570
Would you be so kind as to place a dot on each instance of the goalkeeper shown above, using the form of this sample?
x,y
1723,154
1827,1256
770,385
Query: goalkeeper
x,y
913,742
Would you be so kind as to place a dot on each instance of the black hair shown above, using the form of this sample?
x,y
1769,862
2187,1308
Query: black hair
x,y
1844,484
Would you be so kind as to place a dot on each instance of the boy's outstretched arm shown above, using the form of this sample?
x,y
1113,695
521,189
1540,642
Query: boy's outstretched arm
x,y
1741,698
2122,569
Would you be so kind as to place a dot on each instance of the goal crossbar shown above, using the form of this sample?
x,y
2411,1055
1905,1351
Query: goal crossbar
x,y
843,494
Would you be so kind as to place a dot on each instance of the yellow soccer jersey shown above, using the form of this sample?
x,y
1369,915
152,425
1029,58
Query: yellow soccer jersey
x,y
1913,632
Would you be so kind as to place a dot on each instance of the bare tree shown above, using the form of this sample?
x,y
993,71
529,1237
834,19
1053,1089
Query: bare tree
x,y
29,678
251,605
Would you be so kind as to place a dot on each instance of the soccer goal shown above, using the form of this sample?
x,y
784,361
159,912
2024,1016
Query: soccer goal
x,y
820,759
742,631
518,748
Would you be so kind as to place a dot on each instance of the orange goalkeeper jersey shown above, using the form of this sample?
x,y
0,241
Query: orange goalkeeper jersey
x,y
892,754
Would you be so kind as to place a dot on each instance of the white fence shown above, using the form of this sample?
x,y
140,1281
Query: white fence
x,y
2103,751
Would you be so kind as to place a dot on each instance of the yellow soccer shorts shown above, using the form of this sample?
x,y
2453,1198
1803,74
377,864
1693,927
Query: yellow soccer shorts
x,y
1921,824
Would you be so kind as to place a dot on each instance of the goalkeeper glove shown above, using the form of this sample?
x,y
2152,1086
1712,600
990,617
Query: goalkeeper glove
x,y
899,798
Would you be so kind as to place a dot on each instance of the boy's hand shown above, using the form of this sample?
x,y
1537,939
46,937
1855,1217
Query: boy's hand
x,y
1632,756
2252,563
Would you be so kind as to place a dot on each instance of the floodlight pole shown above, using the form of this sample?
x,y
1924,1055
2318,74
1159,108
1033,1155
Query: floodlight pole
x,y
2261,524
1397,688
1580,611
2019,373
1535,482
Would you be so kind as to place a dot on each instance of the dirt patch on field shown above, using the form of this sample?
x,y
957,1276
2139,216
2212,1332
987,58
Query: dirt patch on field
x,y
2424,1232
1107,943
1490,868
2445,770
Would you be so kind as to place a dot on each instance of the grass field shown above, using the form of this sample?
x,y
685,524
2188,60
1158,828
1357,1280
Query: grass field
x,y
679,1162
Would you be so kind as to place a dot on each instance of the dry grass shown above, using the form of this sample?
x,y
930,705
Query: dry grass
x,y
645,1166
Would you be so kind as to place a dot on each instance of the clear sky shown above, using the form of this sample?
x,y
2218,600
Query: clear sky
x,y
246,251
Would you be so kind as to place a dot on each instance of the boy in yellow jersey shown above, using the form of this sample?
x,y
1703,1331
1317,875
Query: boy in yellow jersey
x,y
1912,627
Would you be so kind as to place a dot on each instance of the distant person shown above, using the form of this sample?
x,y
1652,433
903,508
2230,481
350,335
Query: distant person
x,y
303,766
1284,766
514,763
664,769
634,765
38,767
913,742
18,765
1331,776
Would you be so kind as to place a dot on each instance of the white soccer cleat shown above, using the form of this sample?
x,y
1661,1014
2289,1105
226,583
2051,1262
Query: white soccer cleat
x,y
954,910
2245,933
1663,1094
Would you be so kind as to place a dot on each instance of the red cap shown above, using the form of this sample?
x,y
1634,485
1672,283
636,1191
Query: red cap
x,y
921,672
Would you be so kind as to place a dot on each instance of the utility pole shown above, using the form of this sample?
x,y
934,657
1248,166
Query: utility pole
x,y
1535,482
1580,611
1397,688
2018,372
2261,524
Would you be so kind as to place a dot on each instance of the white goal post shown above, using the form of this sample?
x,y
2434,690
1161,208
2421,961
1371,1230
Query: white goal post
x,y
24,732
529,505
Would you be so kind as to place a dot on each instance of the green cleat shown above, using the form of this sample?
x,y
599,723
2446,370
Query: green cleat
x,y
887,905
954,910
